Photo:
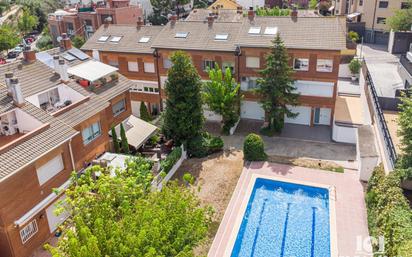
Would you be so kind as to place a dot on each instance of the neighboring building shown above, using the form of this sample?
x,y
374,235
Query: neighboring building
x,y
221,15
84,20
314,45
405,68
225,4
372,15
51,124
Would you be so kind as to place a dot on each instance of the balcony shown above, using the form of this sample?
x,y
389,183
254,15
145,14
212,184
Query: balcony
x,y
406,62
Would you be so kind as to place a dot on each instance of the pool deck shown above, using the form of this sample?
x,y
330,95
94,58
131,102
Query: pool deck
x,y
350,210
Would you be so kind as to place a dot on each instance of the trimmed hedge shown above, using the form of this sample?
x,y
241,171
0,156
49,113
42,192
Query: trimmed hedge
x,y
389,213
167,164
203,145
253,148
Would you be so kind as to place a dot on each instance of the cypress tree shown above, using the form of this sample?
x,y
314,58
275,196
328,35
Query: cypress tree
x,y
125,144
144,113
183,119
276,87
115,141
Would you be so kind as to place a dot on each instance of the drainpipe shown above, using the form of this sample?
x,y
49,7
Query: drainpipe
x,y
71,153
156,56
373,21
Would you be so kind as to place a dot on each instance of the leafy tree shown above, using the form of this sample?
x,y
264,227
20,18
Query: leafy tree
x,y
123,138
156,18
120,216
8,38
4,6
183,119
27,22
353,36
405,131
144,113
312,4
78,41
116,145
402,19
276,87
221,94
165,7
45,41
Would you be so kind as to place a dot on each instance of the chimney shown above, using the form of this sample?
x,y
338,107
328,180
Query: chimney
x,y
251,14
107,21
56,64
65,43
239,10
294,13
29,55
7,77
140,22
173,19
210,20
18,98
64,76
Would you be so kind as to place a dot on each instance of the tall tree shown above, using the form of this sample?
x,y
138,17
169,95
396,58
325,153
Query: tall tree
x,y
116,145
8,38
27,22
276,87
402,19
165,7
183,119
405,131
144,113
123,138
221,94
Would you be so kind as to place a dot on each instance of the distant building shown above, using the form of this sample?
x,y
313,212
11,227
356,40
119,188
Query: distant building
x,y
225,4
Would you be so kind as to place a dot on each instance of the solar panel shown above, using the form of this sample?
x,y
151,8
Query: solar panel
x,y
271,30
181,34
79,54
103,38
68,57
45,58
254,30
115,39
221,36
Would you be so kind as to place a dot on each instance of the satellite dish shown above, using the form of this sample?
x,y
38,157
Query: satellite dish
x,y
59,38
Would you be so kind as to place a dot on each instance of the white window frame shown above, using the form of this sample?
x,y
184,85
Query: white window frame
x,y
254,30
300,69
226,64
103,39
50,169
119,107
144,39
208,64
149,67
151,90
114,63
252,62
167,63
181,34
271,31
221,37
133,66
116,39
28,231
94,133
321,65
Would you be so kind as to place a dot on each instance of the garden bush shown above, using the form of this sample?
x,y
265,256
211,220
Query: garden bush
x,y
203,145
389,213
167,164
253,148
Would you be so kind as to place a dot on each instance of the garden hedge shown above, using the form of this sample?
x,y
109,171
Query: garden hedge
x,y
253,148
203,145
167,164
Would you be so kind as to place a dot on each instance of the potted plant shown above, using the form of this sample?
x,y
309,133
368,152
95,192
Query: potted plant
x,y
354,67
114,77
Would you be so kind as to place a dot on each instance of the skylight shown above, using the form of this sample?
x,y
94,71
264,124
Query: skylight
x,y
115,39
103,38
254,30
271,30
181,34
144,39
221,36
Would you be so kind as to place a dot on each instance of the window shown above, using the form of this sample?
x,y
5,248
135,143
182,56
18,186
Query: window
x,y
221,36
28,231
149,67
167,63
254,30
114,63
119,107
301,64
252,83
103,38
252,62
324,65
91,133
133,66
230,65
181,34
115,39
383,4
360,2
150,89
144,39
50,169
405,5
69,28
208,64
381,20
271,30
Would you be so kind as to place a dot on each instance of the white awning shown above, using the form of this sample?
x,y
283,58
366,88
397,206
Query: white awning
x,y
353,15
137,130
92,70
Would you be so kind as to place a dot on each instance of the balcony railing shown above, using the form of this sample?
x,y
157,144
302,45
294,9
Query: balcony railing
x,y
406,64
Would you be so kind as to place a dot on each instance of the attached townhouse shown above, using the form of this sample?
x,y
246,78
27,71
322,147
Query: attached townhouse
x,y
314,44
56,111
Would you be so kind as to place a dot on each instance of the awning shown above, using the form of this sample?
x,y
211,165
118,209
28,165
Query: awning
x,y
348,110
92,70
353,15
137,130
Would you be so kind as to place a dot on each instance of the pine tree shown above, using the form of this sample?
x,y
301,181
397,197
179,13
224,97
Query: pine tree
x,y
183,119
276,87
125,144
144,113
115,141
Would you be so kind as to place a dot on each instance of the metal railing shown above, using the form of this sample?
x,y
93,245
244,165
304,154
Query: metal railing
x,y
406,64
389,146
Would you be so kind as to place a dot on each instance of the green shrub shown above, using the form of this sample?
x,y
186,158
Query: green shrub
x,y
167,164
389,214
353,36
144,113
203,145
253,148
354,66
188,178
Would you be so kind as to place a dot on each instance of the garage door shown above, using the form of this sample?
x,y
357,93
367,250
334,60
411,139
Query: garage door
x,y
303,117
53,219
252,110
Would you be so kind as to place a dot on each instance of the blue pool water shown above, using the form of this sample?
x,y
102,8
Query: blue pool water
x,y
284,219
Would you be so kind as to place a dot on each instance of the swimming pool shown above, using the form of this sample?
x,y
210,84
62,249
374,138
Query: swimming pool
x,y
284,219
